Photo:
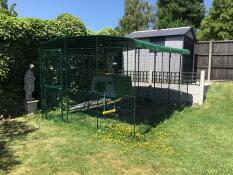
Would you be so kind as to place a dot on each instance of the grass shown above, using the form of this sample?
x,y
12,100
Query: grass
x,y
197,140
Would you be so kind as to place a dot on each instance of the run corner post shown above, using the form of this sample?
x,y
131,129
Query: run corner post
x,y
210,60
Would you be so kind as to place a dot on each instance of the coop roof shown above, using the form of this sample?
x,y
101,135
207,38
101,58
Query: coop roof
x,y
108,42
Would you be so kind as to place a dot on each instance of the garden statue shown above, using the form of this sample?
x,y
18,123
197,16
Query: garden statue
x,y
29,85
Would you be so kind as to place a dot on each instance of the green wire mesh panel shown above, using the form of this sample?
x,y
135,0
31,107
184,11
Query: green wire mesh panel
x,y
51,79
84,76
102,78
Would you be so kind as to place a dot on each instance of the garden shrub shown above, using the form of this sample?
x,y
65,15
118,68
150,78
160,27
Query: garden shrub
x,y
19,43
68,25
5,61
108,31
90,32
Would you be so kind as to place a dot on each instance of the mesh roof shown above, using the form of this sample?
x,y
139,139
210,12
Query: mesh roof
x,y
121,43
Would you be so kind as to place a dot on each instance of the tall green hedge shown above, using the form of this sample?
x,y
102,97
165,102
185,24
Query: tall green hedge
x,y
19,43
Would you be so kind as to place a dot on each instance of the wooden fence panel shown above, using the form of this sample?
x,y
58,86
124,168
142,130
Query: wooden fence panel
x,y
221,59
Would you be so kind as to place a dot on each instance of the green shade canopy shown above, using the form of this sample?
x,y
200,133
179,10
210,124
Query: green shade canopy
x,y
159,48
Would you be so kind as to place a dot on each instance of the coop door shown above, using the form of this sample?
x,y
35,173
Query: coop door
x,y
51,77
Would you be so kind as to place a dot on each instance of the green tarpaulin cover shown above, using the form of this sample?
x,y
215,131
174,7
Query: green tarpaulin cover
x,y
159,48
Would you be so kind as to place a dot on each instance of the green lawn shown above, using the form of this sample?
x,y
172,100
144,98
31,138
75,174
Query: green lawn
x,y
197,140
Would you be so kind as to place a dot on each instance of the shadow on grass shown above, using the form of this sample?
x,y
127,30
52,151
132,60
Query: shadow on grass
x,y
151,115
148,116
11,130
145,111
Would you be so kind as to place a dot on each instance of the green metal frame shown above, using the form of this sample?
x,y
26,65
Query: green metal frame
x,y
72,68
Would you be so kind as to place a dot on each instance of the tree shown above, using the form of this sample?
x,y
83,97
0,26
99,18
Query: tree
x,y
108,31
217,25
91,32
138,15
69,25
4,8
180,13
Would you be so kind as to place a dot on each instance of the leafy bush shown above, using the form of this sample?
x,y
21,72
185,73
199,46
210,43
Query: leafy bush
x,y
108,31
12,28
90,32
5,61
68,25
19,43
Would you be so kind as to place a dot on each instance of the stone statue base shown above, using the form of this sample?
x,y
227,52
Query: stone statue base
x,y
31,106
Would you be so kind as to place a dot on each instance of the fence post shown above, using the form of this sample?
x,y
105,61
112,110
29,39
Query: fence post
x,y
202,87
150,77
210,60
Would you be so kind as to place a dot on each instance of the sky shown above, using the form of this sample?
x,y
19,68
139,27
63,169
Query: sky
x,y
96,14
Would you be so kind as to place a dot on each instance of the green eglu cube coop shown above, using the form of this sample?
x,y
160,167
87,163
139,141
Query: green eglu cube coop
x,y
100,76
